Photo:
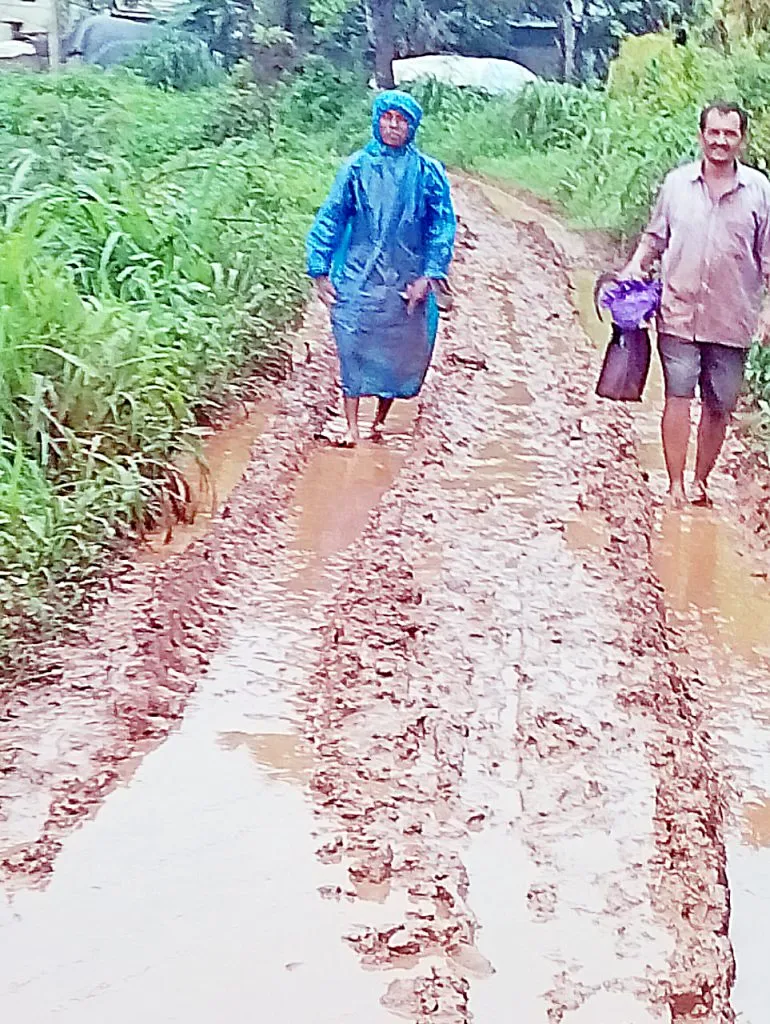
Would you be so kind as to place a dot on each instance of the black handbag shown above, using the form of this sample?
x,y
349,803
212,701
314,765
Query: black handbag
x,y
626,365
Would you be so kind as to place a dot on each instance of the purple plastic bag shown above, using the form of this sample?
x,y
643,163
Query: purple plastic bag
x,y
631,303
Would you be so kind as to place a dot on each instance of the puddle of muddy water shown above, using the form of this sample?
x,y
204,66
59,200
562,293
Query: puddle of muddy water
x,y
337,492
698,559
225,456
718,592
173,904
587,533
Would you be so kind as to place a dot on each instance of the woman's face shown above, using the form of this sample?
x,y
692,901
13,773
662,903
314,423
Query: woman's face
x,y
394,129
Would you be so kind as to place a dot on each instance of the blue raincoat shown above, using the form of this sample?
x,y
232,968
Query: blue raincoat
x,y
387,221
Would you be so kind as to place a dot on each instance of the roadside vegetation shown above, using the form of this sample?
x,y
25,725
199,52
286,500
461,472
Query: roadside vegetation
x,y
152,222
151,246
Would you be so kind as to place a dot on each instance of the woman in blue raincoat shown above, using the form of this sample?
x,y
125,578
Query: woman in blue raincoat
x,y
383,237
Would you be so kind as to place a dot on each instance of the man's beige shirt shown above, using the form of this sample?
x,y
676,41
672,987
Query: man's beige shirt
x,y
715,255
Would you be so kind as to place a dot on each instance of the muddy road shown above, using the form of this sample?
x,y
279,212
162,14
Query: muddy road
x,y
460,727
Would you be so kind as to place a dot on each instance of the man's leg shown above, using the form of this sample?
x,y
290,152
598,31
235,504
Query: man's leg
x,y
681,368
675,430
384,406
711,437
722,368
352,437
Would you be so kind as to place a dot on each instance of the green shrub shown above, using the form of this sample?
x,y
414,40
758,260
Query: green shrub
x,y
176,60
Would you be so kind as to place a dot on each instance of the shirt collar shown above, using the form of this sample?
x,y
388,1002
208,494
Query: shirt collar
x,y
696,172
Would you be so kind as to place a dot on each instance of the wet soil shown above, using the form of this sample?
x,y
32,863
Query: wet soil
x,y
456,727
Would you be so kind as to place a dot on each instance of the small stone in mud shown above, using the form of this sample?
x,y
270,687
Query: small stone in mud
x,y
377,868
330,892
476,821
686,1004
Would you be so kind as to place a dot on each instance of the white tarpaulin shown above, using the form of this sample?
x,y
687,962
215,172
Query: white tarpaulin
x,y
489,73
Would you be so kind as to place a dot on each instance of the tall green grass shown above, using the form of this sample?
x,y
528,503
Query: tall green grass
x,y
145,260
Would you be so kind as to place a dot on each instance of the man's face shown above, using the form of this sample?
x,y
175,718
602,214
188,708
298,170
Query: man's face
x,y
722,138
394,129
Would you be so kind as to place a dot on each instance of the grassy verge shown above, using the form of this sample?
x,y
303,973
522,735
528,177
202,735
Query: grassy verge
x,y
151,246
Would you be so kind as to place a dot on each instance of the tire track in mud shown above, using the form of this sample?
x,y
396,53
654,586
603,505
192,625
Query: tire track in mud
x,y
394,652
507,765
122,682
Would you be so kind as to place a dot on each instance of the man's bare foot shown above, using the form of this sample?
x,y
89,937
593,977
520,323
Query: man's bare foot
x,y
676,496
702,497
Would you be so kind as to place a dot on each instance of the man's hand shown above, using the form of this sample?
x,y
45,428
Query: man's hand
x,y
631,272
638,267
416,292
325,291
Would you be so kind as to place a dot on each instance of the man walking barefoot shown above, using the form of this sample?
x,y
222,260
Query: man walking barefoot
x,y
711,230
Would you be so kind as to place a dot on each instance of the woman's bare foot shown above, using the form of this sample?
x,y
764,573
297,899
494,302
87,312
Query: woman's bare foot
x,y
349,439
676,496
702,497
384,405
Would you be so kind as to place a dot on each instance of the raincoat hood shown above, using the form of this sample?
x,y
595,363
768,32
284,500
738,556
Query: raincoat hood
x,y
404,104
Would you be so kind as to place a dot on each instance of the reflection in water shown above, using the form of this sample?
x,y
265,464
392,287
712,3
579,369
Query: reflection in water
x,y
340,487
698,560
337,493
282,755
225,458
757,820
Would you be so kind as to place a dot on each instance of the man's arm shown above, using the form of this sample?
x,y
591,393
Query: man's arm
x,y
653,242
762,253
763,327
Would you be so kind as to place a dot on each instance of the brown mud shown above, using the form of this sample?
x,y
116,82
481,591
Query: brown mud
x,y
457,727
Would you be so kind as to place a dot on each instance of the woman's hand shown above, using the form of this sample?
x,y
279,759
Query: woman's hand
x,y
326,291
417,292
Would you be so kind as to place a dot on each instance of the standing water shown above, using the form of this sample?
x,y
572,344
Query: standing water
x,y
718,599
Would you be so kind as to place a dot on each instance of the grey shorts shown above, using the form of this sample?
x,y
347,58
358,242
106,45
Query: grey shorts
x,y
716,369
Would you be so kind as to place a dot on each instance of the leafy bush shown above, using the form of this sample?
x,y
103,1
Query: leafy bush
x,y
327,100
176,60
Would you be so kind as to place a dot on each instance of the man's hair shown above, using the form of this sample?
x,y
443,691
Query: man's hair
x,y
723,107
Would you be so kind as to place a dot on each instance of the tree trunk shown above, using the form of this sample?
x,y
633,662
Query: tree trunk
x,y
571,25
382,32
